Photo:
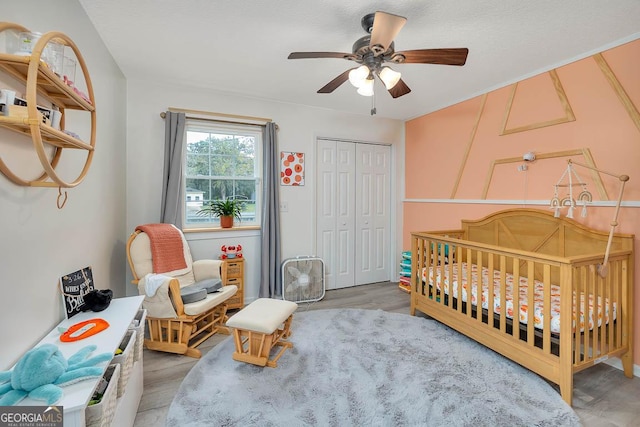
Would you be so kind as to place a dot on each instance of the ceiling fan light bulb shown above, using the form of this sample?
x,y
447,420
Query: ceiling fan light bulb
x,y
359,76
389,77
367,88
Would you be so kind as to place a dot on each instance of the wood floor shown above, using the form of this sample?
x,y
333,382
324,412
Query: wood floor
x,y
603,396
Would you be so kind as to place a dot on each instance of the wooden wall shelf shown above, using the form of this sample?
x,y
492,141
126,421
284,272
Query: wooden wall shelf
x,y
40,80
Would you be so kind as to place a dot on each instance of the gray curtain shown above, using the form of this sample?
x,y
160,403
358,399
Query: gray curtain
x,y
172,190
270,280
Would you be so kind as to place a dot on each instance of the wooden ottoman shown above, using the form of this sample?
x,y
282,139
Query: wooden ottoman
x,y
259,327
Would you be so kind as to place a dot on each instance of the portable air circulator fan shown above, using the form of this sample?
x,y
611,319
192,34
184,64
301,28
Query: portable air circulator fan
x,y
303,279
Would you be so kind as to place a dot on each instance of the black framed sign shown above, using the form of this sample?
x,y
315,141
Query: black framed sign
x,y
74,287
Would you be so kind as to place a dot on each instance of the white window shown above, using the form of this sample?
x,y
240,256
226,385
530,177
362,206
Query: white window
x,y
222,161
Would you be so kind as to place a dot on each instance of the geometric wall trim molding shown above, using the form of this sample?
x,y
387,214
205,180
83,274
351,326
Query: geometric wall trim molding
x,y
584,152
618,89
465,156
562,96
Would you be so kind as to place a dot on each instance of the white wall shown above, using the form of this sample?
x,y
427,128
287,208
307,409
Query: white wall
x,y
40,243
298,129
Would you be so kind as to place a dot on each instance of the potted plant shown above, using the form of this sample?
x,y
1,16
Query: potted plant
x,y
226,210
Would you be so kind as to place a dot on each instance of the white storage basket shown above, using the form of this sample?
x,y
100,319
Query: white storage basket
x,y
101,414
139,325
125,359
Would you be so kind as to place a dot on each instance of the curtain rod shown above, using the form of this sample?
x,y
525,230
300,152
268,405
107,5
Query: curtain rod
x,y
223,116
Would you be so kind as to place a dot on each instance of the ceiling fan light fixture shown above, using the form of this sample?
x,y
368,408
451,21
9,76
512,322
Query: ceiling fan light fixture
x,y
367,88
358,76
389,77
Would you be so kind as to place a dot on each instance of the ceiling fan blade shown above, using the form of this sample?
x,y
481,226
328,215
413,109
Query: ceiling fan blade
x,y
335,83
399,89
385,29
453,56
310,55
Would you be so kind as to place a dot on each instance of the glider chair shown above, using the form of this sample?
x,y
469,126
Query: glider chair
x,y
184,299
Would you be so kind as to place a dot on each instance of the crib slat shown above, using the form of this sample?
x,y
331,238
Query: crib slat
x,y
439,266
469,282
442,259
479,285
577,337
608,294
503,294
424,264
593,309
576,284
415,270
602,314
516,298
458,264
424,287
490,290
530,304
546,309
620,286
584,306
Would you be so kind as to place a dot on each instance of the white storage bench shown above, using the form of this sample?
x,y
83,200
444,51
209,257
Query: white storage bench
x,y
260,326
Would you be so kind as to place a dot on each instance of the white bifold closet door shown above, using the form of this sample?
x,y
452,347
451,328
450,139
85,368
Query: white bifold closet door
x,y
353,212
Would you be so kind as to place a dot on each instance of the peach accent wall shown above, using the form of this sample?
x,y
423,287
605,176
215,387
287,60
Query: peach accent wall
x,y
607,124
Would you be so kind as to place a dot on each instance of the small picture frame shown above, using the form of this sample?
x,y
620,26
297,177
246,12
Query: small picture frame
x,y
74,287
291,168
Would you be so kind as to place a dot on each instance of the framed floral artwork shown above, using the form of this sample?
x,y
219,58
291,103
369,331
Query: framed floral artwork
x,y
291,168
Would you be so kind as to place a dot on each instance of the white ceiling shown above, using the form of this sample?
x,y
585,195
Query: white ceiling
x,y
242,46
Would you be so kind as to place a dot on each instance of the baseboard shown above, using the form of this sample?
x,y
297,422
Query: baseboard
x,y
616,363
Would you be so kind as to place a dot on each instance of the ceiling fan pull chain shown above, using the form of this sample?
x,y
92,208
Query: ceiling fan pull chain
x,y
373,103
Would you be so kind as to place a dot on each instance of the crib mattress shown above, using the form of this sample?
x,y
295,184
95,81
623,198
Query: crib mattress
x,y
586,316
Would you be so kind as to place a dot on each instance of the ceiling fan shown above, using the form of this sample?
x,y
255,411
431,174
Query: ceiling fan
x,y
377,48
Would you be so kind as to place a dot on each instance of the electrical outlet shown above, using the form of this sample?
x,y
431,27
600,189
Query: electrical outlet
x,y
523,168
284,206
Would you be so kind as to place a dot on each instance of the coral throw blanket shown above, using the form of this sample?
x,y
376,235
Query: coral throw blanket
x,y
167,252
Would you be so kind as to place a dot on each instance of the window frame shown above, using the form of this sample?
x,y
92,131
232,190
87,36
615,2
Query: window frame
x,y
223,128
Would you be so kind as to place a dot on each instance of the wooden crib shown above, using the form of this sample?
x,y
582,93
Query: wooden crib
x,y
521,247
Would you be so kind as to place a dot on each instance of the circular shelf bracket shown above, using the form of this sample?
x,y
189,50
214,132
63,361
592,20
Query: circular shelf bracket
x,y
34,118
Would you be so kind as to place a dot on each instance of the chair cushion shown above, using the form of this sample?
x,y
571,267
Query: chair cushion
x,y
210,301
191,294
199,290
210,285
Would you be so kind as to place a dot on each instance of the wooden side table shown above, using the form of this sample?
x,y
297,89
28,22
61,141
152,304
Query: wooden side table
x,y
233,274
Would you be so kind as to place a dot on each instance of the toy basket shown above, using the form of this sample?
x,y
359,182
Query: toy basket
x,y
125,359
138,325
101,414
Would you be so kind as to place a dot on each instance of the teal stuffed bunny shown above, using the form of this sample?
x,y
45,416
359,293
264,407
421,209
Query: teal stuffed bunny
x,y
43,370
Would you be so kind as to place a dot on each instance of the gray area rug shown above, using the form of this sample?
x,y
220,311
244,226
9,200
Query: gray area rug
x,y
352,367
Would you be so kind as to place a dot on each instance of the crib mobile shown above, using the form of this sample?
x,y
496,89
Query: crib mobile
x,y
568,200
583,198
